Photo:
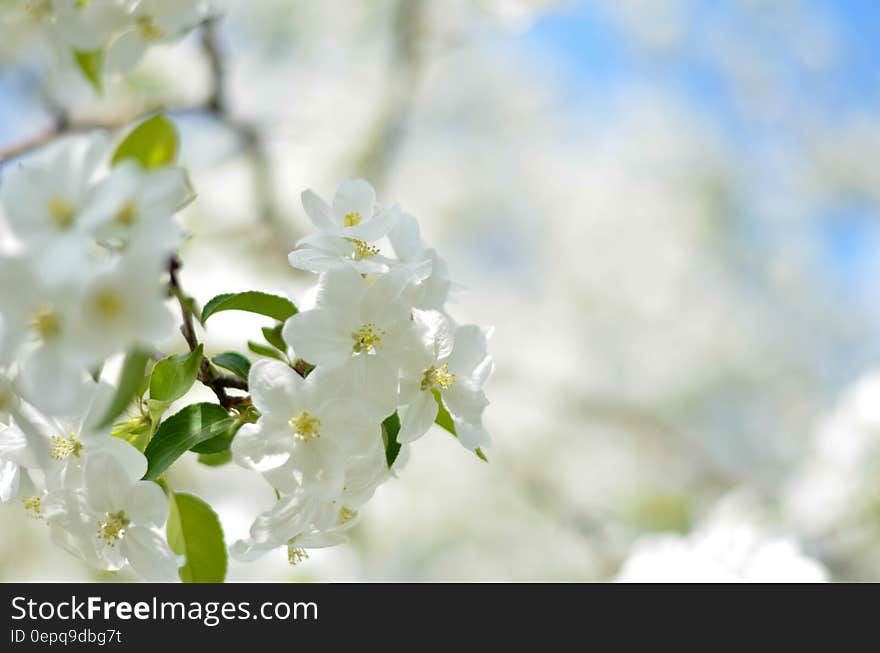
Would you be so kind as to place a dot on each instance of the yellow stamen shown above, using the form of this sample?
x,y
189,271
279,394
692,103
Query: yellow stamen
x,y
63,448
32,505
363,250
46,323
127,214
367,339
61,212
438,377
346,515
113,528
296,555
352,219
108,304
306,426
148,28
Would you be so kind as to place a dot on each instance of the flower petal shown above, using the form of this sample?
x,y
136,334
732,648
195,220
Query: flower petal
x,y
418,418
274,387
354,196
106,482
319,212
149,555
146,504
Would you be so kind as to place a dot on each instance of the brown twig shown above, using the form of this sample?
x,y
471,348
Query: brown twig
x,y
208,376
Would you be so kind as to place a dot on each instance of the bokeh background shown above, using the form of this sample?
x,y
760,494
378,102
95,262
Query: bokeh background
x,y
667,208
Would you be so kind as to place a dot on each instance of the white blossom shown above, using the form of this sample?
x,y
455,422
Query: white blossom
x,y
453,364
306,432
361,325
113,520
348,231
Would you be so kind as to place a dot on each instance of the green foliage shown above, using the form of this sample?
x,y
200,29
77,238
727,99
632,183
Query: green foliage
x,y
130,379
390,430
215,459
273,337
263,350
90,63
153,143
184,430
234,362
194,531
136,432
173,376
279,308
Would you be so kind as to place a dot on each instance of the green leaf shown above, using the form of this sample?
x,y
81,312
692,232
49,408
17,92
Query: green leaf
x,y
130,379
390,429
273,337
173,376
153,143
234,362
136,432
183,431
444,420
90,63
263,350
251,301
194,531
215,459
219,443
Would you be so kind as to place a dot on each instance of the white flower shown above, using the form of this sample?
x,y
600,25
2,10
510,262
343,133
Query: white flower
x,y
124,305
307,430
44,203
57,447
347,231
113,521
433,285
135,205
452,365
303,521
365,327
149,23
41,330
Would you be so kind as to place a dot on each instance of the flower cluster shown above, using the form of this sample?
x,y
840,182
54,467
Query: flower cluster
x,y
383,357
104,35
81,282
89,265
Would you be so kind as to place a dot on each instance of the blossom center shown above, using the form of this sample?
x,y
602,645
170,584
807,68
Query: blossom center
x,y
46,323
438,377
108,304
295,555
32,504
368,338
64,448
363,250
61,212
148,28
352,219
127,213
113,528
306,426
346,515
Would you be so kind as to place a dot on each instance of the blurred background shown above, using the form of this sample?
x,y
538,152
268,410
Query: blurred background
x,y
667,208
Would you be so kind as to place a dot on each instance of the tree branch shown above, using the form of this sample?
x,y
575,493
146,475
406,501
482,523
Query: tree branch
x,y
208,376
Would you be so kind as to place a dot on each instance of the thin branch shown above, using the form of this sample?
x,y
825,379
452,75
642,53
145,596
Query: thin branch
x,y
208,376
